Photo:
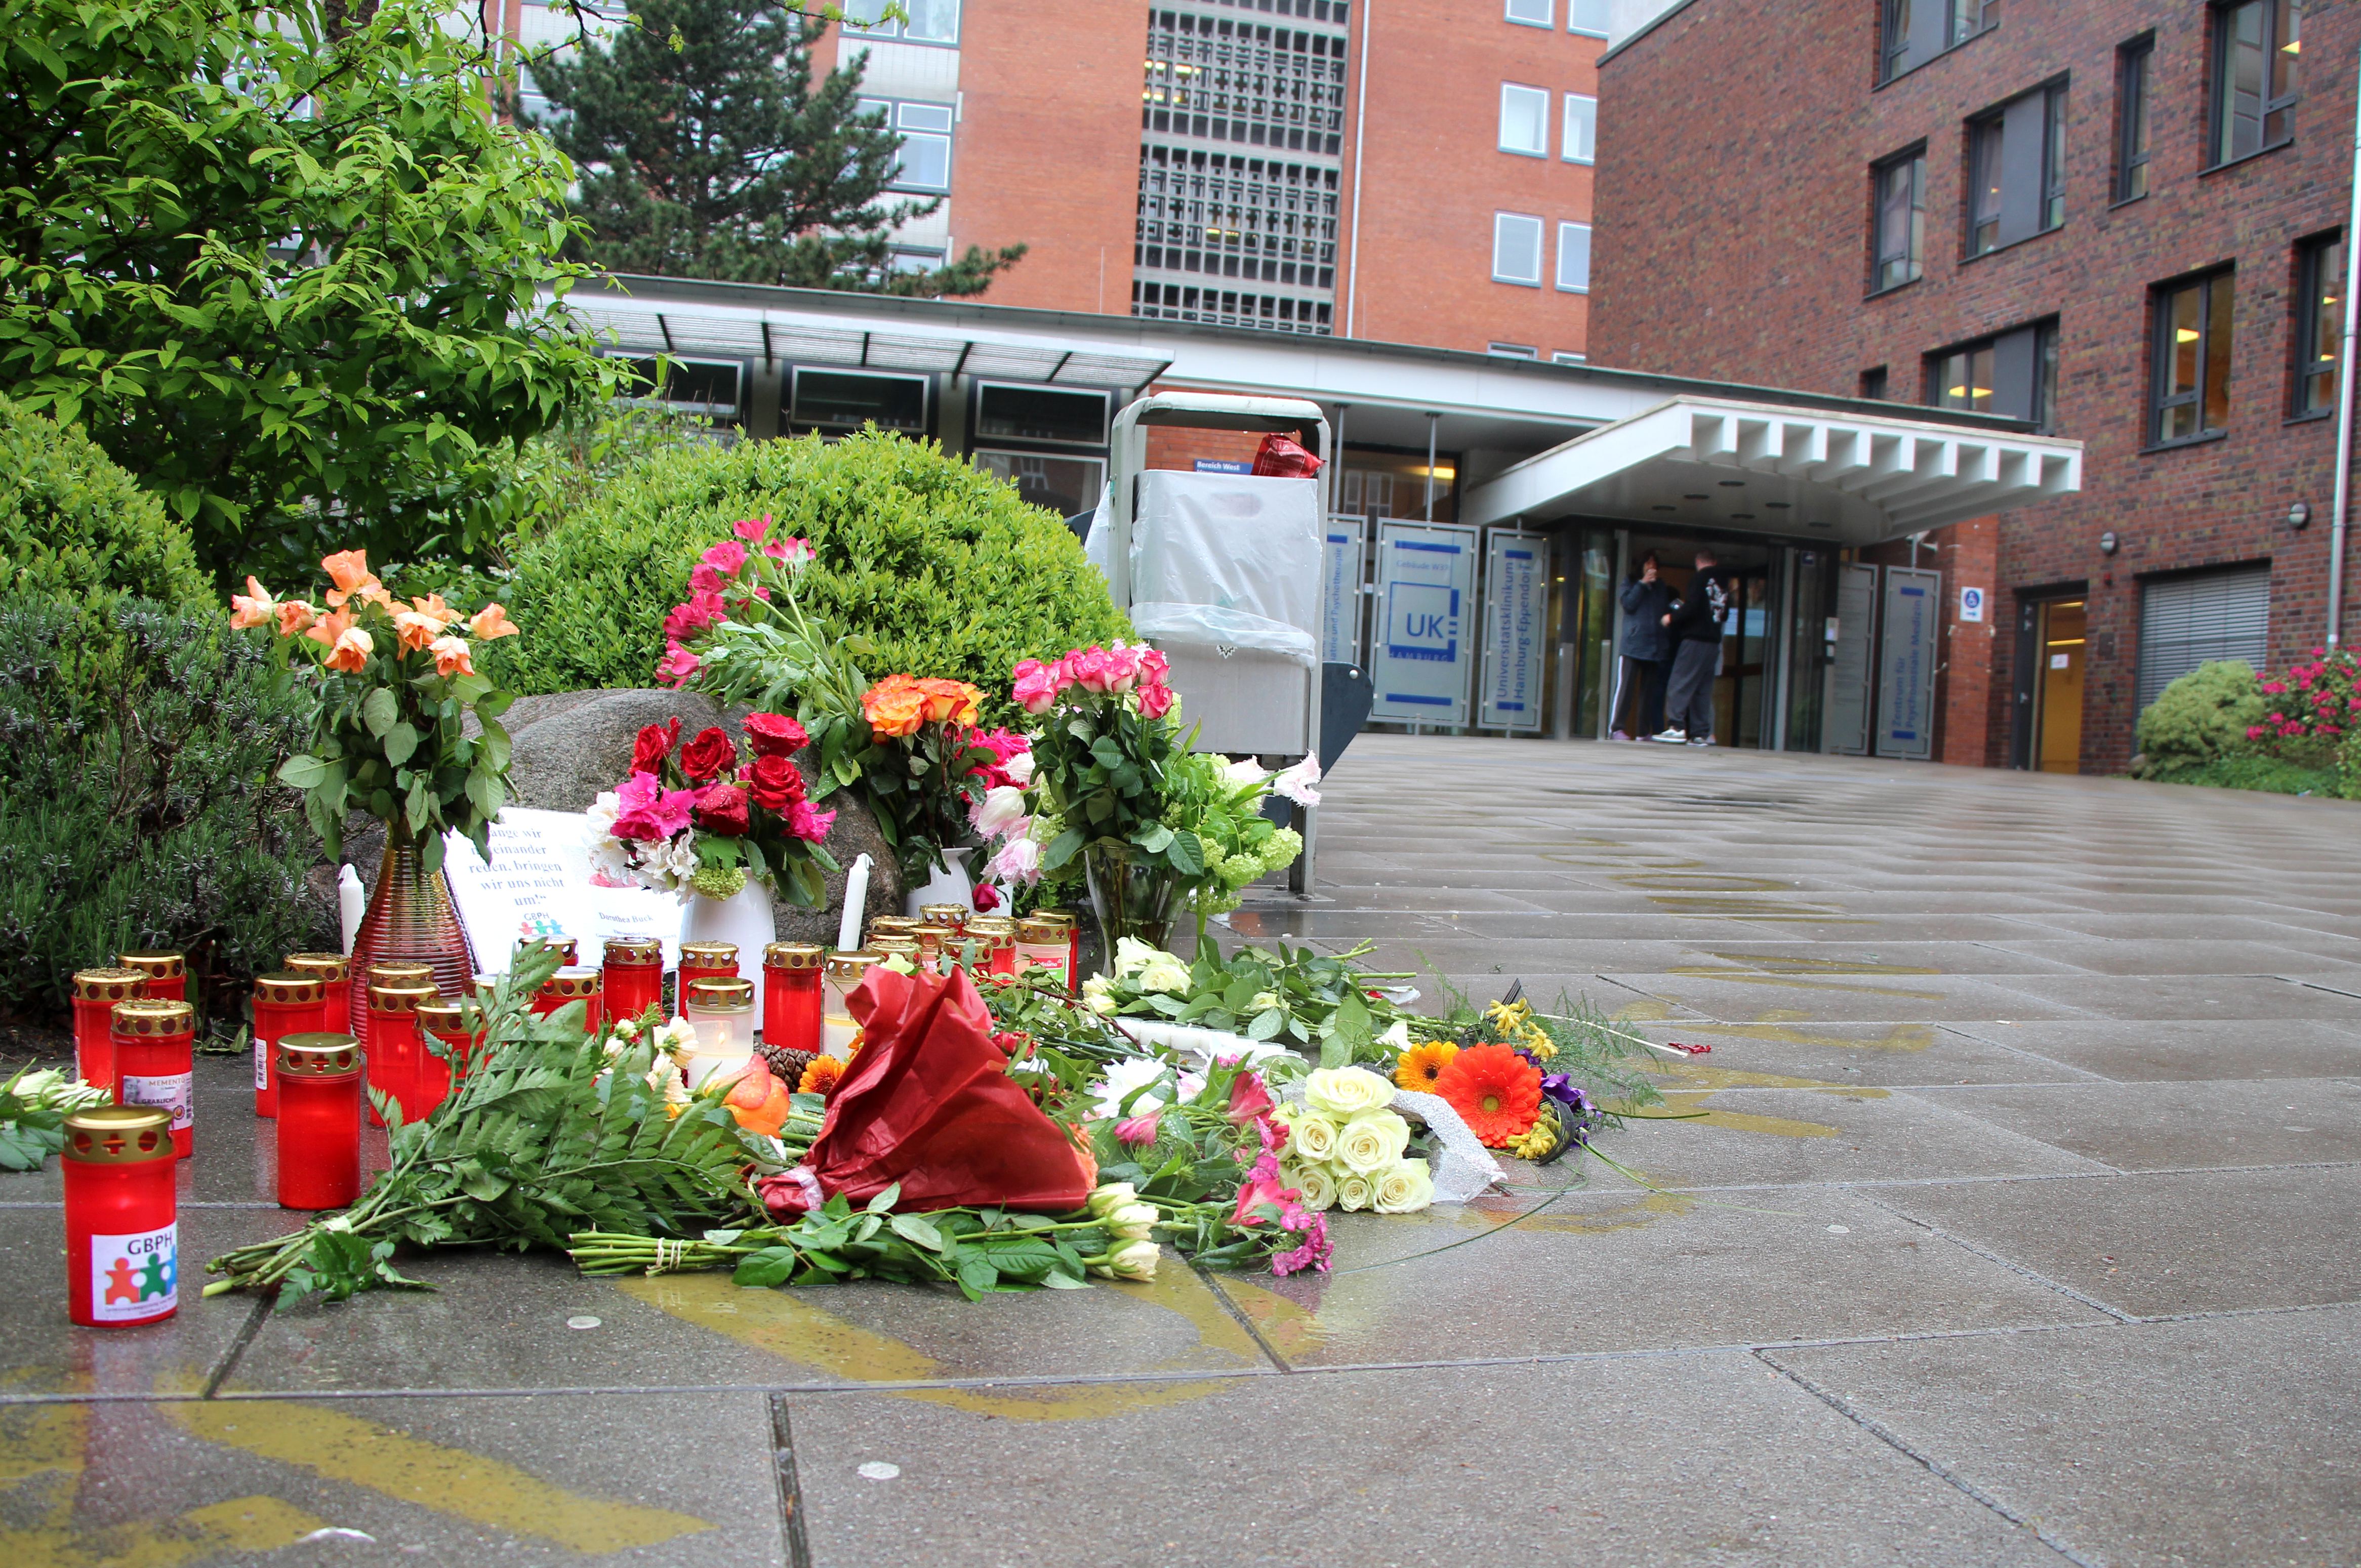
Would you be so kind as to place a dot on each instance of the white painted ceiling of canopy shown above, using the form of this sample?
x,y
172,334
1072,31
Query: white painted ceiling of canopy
x,y
1762,468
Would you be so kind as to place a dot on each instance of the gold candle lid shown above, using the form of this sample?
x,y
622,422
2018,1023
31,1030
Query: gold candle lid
x,y
792,955
1064,918
572,984
400,971
288,988
847,967
931,937
988,926
893,924
320,1054
329,967
710,955
109,984
161,965
951,915
118,1134
387,997
635,950
1041,928
154,1017
721,993
442,1015
909,947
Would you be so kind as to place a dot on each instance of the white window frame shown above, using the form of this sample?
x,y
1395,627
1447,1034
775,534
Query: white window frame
x,y
1511,351
1500,221
1548,9
1598,32
1568,139
1564,287
900,31
1520,93
894,116
1568,356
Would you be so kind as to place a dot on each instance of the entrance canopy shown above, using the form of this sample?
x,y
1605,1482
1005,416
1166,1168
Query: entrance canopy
x,y
1756,467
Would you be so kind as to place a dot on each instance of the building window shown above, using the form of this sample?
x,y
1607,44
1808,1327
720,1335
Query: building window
x,y
848,398
2255,50
1913,32
2134,64
1900,193
706,389
1533,12
1516,250
1587,18
2198,617
1573,257
1581,141
1525,120
1067,486
1025,411
2319,323
1872,384
2190,347
931,21
2012,373
1512,351
2017,164
1568,356
923,162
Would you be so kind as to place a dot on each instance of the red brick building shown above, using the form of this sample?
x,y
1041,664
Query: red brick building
x,y
2120,222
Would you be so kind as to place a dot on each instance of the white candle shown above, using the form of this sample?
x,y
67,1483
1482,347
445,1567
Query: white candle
x,y
856,899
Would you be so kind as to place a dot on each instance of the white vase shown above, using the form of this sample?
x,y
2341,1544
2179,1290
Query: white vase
x,y
950,885
744,918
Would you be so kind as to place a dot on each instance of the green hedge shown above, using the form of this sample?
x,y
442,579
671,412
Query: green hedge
x,y
2200,717
75,528
944,567
137,807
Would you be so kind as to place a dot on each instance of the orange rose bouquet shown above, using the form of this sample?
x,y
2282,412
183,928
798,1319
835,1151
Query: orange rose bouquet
x,y
396,681
927,766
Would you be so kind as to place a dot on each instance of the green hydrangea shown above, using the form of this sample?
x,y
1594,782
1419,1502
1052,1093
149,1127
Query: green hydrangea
x,y
1237,871
719,881
1285,844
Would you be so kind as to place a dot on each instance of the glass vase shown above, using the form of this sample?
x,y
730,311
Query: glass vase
x,y
1129,899
411,917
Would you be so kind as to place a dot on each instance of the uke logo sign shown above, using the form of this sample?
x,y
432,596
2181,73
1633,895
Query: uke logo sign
x,y
135,1277
1426,573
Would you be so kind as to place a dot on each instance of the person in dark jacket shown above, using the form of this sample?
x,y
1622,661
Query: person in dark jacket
x,y
1646,661
1694,626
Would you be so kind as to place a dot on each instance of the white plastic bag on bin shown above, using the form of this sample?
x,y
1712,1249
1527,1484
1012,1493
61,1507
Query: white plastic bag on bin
x,y
1227,559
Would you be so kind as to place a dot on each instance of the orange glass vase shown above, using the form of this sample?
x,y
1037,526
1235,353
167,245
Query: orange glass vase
x,y
413,917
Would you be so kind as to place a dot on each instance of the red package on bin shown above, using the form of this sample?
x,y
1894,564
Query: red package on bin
x,y
1279,458
928,1103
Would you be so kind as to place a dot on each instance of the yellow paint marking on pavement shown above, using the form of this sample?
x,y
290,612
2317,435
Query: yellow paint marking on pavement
x,y
1751,977
793,1329
1696,1075
1777,1025
412,1470
1747,1122
1288,1327
1651,1208
1785,963
255,1524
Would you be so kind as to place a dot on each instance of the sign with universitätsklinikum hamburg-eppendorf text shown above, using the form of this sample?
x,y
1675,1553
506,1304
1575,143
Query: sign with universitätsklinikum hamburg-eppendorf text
x,y
1418,654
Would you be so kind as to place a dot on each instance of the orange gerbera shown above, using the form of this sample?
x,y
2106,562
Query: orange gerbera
x,y
821,1077
954,700
1419,1067
895,707
1496,1092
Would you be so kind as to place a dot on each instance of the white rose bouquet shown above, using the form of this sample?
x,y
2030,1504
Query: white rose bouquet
x,y
1347,1148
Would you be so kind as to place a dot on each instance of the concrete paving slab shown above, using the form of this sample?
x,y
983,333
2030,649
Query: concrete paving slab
x,y
2167,1049
2166,1126
2173,1444
1784,1051
618,1479
2152,1243
1690,1461
2167,997
2162,956
1862,998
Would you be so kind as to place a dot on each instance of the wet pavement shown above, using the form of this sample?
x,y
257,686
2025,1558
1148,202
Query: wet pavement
x,y
2016,1229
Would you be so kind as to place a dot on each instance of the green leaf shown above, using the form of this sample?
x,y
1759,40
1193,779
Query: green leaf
x,y
762,1270
1187,854
1061,848
884,1202
1265,1024
379,709
400,744
303,772
918,1232
1154,839
1348,1038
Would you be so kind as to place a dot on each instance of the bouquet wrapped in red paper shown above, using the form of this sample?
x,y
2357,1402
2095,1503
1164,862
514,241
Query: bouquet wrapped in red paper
x,y
927,1107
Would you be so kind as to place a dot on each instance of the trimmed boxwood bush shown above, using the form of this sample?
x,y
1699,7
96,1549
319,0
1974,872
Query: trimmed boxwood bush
x,y
2200,717
940,565
75,528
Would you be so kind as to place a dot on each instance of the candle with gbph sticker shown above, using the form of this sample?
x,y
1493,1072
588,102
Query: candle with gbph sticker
x,y
155,1062
122,1219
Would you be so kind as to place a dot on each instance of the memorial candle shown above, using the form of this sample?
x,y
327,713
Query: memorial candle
x,y
95,993
319,1121
155,1062
791,999
122,1216
285,1004
393,1049
166,972
634,976
335,974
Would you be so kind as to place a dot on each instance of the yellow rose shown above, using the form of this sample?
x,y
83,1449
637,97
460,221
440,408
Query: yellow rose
x,y
1311,1136
1316,1188
1406,1187
1372,1141
1344,1092
1353,1194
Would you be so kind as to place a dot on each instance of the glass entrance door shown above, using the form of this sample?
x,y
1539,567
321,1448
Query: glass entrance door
x,y
2059,628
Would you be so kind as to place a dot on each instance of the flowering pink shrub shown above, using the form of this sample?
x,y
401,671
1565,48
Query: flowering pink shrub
x,y
2318,699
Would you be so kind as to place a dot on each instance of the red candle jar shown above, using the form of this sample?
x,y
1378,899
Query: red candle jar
x,y
156,1063
937,947
571,985
319,1121
994,940
1042,944
566,948
791,996
393,1050
1071,925
168,974
953,915
334,971
95,993
702,960
633,978
284,1004
122,1219
441,1022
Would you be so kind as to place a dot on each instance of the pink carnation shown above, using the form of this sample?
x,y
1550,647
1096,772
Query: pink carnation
x,y
1314,1250
808,825
726,556
1137,1131
751,529
677,665
703,607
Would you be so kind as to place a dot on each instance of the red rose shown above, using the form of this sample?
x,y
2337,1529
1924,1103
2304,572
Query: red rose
x,y
654,745
774,735
723,809
708,756
775,783
987,898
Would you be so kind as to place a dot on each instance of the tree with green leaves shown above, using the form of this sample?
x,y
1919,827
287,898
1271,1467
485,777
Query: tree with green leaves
x,y
280,263
707,151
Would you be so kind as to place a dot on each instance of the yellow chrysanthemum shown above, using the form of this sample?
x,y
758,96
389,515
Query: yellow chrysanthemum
x,y
1515,1019
1419,1067
1536,1141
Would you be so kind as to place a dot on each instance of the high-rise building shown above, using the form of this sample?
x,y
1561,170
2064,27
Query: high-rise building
x,y
2118,224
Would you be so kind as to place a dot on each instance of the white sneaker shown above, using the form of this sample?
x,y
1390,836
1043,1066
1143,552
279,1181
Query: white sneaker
x,y
1672,737
1702,740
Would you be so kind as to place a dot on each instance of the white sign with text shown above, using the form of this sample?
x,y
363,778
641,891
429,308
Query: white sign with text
x,y
539,885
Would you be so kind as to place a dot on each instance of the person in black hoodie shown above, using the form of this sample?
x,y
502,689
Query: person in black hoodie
x,y
1646,662
1695,625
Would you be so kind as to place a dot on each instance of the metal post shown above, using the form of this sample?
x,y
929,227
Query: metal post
x,y
2343,497
1427,512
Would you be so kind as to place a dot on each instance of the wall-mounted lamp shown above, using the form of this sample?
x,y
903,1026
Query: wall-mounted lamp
x,y
2109,544
2298,514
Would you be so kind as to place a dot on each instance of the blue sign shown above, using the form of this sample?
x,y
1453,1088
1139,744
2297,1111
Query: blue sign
x,y
1224,465
1516,607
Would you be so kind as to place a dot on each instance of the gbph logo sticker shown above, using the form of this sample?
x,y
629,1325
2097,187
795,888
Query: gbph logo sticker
x,y
134,1277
